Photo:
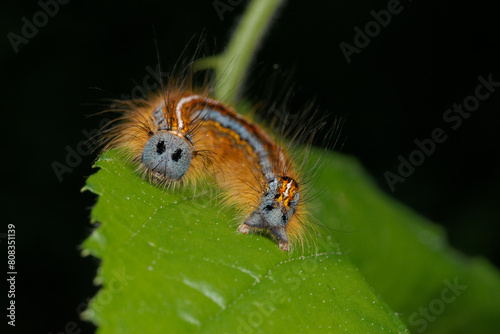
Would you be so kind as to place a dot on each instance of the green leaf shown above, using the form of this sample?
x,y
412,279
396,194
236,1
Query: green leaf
x,y
406,258
172,261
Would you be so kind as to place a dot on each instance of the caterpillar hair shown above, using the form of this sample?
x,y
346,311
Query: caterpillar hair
x,y
181,134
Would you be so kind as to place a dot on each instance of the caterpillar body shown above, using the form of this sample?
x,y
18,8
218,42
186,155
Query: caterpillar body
x,y
180,135
256,173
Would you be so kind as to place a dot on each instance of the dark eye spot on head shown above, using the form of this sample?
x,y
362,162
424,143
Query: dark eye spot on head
x,y
284,218
177,155
160,147
268,207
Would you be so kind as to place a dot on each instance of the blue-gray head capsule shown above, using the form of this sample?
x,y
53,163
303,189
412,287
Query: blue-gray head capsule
x,y
168,155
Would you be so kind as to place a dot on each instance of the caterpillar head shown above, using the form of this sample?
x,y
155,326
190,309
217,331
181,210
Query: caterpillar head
x,y
168,155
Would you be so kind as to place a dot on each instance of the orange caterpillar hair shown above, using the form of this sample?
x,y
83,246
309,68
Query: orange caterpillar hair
x,y
160,134
257,176
179,134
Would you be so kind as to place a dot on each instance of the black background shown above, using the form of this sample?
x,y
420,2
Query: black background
x,y
394,91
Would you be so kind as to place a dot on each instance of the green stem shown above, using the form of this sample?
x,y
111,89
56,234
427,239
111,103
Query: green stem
x,y
232,65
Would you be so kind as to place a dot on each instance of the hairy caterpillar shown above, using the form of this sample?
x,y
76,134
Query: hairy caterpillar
x,y
181,134
257,175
